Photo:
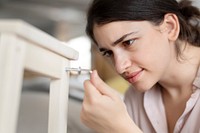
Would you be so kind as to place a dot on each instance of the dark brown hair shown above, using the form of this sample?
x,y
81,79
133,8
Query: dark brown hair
x,y
106,11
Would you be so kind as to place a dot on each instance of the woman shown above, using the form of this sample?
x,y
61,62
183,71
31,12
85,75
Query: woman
x,y
155,45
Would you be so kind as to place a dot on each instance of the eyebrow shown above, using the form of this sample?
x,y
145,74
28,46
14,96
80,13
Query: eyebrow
x,y
122,38
118,40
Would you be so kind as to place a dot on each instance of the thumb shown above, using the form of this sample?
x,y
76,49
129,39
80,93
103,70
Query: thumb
x,y
103,88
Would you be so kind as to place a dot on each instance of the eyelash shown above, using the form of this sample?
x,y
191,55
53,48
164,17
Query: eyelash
x,y
107,53
128,42
125,44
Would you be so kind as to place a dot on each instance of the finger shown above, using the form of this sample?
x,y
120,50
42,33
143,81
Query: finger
x,y
90,91
101,85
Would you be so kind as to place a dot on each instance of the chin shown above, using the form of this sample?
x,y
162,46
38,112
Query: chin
x,y
142,87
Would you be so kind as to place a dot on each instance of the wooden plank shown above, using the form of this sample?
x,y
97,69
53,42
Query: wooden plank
x,y
42,61
38,37
59,102
12,53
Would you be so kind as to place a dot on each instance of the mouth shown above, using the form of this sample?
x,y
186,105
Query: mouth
x,y
133,77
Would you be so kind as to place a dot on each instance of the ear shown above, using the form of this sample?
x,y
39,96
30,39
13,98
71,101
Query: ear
x,y
171,26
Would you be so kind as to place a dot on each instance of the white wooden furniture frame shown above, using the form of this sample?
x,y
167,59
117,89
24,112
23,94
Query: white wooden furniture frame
x,y
26,48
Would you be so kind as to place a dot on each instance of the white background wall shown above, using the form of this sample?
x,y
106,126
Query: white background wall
x,y
196,2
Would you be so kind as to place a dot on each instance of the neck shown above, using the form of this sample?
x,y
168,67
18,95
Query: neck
x,y
178,79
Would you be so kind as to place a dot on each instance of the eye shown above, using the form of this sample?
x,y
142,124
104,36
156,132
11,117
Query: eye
x,y
128,42
107,53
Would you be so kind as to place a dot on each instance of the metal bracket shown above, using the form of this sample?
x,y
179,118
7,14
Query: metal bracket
x,y
79,70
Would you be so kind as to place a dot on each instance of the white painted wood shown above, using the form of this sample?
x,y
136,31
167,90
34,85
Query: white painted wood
x,y
59,102
37,36
44,62
24,47
12,53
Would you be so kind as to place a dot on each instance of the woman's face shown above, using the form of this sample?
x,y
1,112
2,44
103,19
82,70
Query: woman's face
x,y
139,51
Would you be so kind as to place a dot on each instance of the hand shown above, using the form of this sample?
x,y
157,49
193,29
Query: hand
x,y
103,110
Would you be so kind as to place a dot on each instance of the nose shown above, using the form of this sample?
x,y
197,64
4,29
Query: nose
x,y
121,62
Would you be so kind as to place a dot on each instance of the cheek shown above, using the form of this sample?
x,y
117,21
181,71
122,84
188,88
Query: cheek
x,y
155,54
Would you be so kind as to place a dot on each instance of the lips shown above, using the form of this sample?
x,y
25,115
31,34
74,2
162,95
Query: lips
x,y
133,77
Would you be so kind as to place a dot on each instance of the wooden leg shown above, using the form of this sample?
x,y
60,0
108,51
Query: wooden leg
x,y
59,102
12,54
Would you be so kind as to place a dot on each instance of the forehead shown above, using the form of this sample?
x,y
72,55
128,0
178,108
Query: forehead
x,y
120,26
114,30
